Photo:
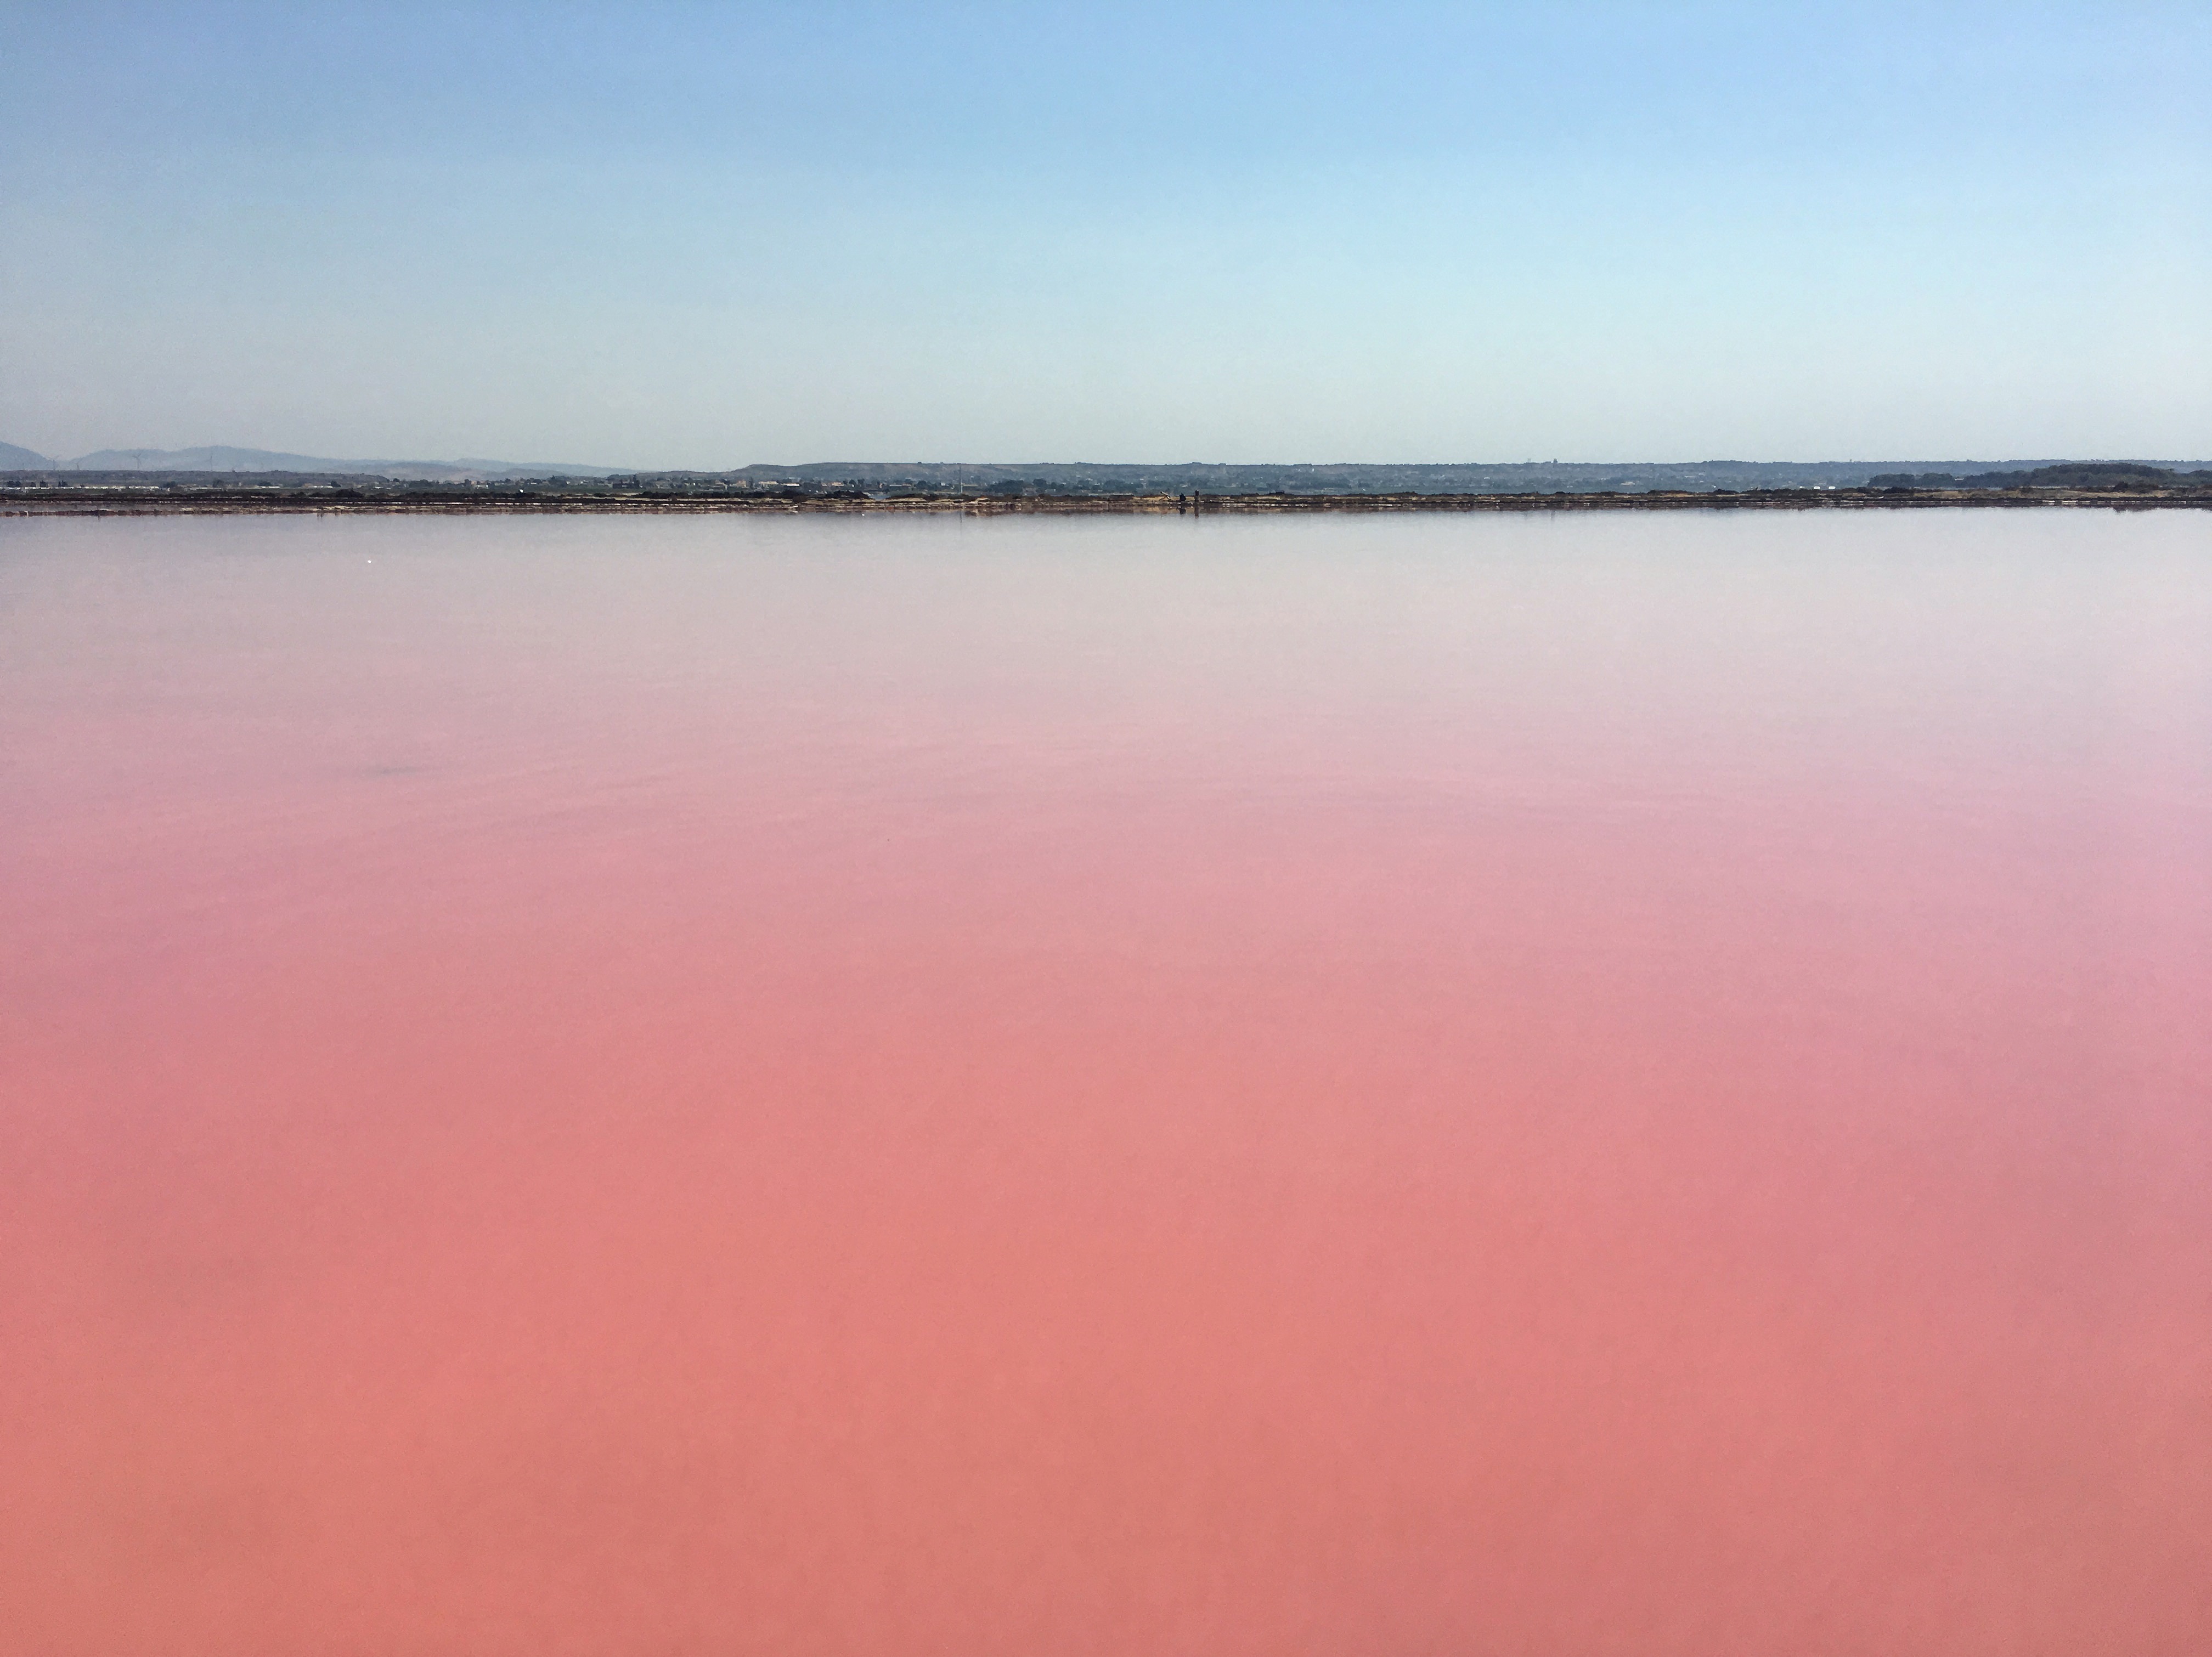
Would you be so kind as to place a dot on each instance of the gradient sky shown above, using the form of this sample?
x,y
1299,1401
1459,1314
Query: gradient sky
x,y
708,235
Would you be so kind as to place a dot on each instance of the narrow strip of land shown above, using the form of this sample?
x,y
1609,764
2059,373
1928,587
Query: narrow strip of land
x,y
135,500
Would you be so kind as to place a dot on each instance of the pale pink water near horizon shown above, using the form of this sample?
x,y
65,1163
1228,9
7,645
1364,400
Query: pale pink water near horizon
x,y
1626,1087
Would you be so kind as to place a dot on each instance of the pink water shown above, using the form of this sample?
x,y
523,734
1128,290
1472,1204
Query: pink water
x,y
1624,1087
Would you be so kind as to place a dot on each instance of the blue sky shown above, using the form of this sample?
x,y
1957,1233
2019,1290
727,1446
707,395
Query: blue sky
x,y
706,235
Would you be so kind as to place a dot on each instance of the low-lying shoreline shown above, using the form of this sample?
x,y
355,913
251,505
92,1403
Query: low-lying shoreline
x,y
129,501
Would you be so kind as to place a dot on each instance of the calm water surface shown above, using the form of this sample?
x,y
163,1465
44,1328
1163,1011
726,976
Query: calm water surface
x,y
1617,1087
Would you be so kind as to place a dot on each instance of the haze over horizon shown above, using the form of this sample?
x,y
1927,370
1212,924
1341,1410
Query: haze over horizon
x,y
219,458
664,238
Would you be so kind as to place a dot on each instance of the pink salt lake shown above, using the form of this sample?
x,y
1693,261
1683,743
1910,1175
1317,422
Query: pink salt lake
x,y
1626,1087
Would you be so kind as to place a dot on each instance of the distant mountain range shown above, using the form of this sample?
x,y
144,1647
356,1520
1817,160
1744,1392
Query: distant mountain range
x,y
1092,477
220,458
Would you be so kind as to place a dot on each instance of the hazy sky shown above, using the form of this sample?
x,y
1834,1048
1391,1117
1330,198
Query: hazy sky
x,y
705,235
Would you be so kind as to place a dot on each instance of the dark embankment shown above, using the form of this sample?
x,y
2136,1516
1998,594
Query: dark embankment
x,y
23,494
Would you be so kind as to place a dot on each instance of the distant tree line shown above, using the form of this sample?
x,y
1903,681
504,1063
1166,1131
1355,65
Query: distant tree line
x,y
2074,475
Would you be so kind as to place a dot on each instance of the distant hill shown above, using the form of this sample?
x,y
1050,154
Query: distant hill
x,y
1097,477
218,457
2071,474
1470,478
